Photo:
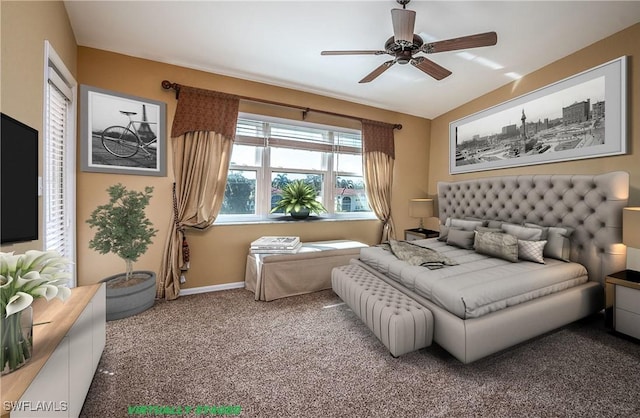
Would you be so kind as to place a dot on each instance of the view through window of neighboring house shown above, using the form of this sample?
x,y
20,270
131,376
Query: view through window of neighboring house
x,y
268,155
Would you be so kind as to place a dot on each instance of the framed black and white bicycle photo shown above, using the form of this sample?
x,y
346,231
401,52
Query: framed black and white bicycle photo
x,y
121,133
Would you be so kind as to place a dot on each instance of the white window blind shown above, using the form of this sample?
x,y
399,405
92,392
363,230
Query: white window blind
x,y
59,158
348,143
56,223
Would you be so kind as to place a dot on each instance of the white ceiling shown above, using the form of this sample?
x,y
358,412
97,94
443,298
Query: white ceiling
x,y
279,42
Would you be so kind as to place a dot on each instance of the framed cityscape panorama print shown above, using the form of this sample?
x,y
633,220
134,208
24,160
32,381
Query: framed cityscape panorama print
x,y
583,116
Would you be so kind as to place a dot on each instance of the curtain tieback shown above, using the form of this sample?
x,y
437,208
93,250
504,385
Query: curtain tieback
x,y
185,251
180,229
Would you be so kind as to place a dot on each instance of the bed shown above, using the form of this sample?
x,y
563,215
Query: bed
x,y
483,304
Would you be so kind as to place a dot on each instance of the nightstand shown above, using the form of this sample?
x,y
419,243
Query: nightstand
x,y
622,308
417,233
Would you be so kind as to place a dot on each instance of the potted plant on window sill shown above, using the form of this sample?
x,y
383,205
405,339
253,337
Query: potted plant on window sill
x,y
122,228
299,199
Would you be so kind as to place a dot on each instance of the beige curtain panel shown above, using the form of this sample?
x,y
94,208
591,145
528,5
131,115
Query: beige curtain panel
x,y
378,157
202,140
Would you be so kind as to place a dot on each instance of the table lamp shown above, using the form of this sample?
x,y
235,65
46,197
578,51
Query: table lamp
x,y
631,228
421,208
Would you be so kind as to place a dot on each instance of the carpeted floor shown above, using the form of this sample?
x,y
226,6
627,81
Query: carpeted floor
x,y
302,357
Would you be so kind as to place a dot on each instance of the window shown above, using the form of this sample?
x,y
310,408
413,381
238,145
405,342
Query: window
x,y
269,153
59,158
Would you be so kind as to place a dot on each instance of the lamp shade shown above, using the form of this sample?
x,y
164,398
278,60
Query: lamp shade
x,y
421,208
631,227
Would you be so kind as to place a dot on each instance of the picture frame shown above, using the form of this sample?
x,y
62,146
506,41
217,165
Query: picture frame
x,y
122,133
559,122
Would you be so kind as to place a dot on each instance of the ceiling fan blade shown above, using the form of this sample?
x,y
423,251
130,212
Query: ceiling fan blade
x,y
434,70
403,23
471,41
355,52
375,73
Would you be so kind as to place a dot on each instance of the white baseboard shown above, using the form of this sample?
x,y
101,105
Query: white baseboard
x,y
213,288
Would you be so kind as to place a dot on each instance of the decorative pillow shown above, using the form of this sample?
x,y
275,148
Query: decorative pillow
x,y
466,224
444,233
531,250
495,224
463,224
558,242
487,229
522,232
544,229
461,238
497,244
471,218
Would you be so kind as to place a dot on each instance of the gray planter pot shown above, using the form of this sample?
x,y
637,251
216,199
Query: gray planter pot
x,y
303,213
127,299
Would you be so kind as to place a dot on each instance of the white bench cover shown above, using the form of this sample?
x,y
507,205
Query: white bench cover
x,y
275,276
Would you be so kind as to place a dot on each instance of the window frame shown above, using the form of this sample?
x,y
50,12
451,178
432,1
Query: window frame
x,y
56,73
264,171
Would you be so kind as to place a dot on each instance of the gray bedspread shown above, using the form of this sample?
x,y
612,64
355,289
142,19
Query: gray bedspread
x,y
478,284
417,255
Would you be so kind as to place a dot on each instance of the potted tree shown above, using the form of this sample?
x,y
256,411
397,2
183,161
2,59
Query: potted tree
x,y
122,228
299,199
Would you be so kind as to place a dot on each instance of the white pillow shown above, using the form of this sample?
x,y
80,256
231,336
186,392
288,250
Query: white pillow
x,y
523,232
461,238
558,243
465,224
531,250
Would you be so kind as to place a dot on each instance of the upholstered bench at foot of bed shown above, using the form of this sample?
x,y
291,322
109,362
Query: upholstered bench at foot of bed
x,y
400,323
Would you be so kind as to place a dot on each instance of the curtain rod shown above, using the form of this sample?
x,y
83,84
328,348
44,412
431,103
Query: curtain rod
x,y
166,84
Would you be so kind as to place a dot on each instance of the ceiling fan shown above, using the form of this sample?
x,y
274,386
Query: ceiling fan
x,y
404,44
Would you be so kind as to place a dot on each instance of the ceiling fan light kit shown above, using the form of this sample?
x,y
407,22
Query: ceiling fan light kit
x,y
404,44
403,23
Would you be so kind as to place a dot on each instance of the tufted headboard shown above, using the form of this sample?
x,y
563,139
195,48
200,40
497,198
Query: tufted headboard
x,y
590,204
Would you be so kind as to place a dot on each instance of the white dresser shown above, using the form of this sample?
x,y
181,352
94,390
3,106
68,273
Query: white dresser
x,y
67,347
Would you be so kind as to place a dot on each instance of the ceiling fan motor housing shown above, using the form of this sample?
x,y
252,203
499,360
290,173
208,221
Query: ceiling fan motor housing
x,y
405,43
403,53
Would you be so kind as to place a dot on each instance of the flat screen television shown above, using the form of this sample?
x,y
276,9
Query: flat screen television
x,y
18,181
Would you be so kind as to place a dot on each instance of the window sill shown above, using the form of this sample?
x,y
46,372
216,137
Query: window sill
x,y
239,220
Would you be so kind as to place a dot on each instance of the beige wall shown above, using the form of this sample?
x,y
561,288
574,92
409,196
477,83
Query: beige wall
x,y
218,254
25,26
626,42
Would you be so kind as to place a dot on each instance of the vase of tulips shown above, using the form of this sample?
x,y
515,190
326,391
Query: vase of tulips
x,y
23,278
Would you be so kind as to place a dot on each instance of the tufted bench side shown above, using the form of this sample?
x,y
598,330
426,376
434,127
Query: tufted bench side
x,y
400,323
